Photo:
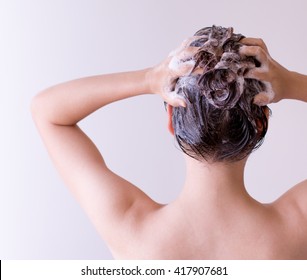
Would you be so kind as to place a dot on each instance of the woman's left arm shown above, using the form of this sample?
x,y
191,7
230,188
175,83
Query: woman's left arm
x,y
108,199
70,102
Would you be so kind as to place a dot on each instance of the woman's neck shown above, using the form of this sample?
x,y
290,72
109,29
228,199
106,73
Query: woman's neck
x,y
216,184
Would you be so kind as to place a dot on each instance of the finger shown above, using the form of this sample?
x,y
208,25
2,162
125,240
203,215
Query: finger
x,y
262,99
179,49
180,67
185,68
254,42
188,53
258,73
175,100
198,70
183,63
254,51
184,53
186,44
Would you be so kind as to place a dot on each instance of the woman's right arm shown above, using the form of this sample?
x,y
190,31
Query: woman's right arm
x,y
297,87
280,83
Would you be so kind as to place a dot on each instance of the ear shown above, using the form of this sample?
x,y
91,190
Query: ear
x,y
258,123
267,112
169,110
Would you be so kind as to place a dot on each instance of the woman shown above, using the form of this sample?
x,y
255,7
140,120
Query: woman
x,y
216,86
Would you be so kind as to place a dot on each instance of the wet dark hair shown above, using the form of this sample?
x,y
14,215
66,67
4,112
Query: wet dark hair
x,y
220,122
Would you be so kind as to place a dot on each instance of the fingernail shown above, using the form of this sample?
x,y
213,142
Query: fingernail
x,y
183,104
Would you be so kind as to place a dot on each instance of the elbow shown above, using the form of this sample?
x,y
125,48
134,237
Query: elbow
x,y
46,109
38,108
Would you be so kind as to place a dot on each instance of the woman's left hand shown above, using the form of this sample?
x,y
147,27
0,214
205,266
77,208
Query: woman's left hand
x,y
163,77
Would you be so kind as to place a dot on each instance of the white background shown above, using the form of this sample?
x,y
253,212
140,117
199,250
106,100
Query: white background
x,y
47,42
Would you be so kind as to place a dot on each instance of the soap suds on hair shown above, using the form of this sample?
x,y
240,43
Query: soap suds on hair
x,y
220,121
176,63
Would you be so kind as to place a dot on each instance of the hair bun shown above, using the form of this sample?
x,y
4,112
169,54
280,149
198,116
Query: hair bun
x,y
222,87
222,81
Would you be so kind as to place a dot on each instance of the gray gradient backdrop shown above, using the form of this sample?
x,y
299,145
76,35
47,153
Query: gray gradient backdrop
x,y
47,42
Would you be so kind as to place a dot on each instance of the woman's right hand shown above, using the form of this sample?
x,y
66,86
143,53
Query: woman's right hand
x,y
275,77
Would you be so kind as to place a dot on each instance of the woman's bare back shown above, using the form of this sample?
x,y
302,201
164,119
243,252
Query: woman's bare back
x,y
268,231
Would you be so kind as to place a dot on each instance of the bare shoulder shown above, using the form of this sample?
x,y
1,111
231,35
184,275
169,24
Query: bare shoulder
x,y
296,198
292,207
